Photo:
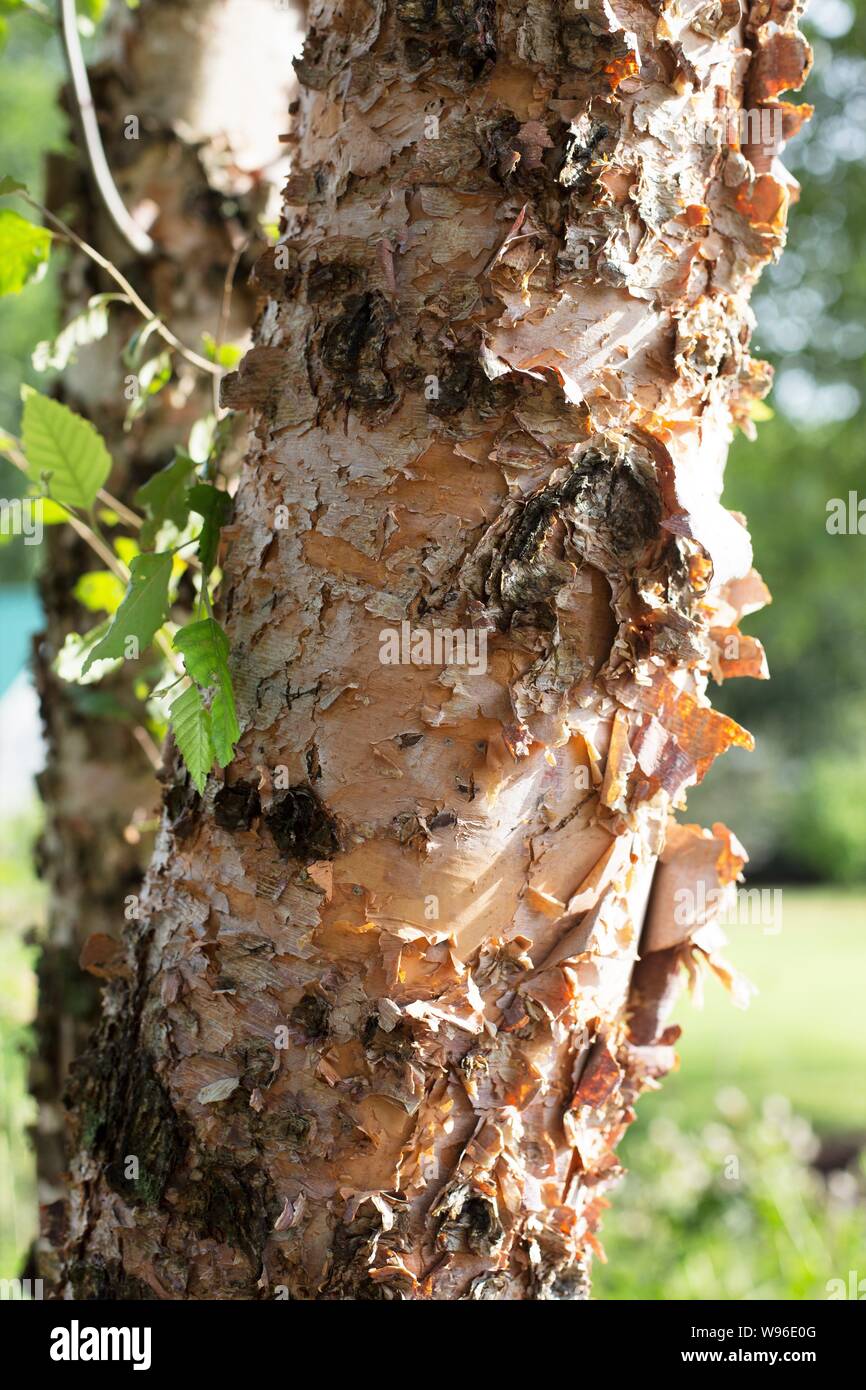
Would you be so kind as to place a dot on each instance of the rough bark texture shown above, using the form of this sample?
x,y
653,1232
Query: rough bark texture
x,y
204,145
385,1024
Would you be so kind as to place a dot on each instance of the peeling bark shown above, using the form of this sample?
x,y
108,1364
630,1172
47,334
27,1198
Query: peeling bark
x,y
391,1005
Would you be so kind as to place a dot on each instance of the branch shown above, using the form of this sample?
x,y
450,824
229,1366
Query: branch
x,y
119,279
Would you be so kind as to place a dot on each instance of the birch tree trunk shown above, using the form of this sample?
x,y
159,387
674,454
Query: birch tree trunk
x,y
188,134
384,1024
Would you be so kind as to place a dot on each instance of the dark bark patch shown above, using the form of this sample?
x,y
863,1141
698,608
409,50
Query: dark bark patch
x,y
127,1114
469,1221
330,280
587,51
417,14
97,1281
232,1204
620,498
474,24
237,806
468,28
353,350
182,805
461,383
311,1016
302,826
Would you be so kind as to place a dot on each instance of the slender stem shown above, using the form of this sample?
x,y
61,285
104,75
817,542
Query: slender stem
x,y
148,747
225,306
119,279
129,229
125,513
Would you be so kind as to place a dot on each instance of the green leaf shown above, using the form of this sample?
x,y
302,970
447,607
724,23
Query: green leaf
x,y
126,549
224,720
23,250
192,731
165,497
131,355
205,649
215,506
100,591
152,377
224,354
91,9
52,513
65,449
73,659
10,185
142,612
87,327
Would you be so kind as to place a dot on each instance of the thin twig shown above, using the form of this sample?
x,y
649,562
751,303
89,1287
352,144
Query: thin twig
x,y
11,449
225,308
119,279
115,505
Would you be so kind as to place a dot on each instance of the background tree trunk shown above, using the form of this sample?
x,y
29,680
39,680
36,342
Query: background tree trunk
x,y
208,85
383,1027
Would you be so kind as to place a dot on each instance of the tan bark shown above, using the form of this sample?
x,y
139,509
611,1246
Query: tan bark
x,y
384,1026
189,72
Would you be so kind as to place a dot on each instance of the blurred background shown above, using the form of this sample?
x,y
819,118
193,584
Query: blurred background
x,y
746,1171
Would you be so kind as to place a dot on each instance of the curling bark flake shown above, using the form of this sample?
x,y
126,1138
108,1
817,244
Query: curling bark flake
x,y
392,1004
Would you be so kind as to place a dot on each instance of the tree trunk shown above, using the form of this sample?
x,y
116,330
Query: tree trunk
x,y
202,142
383,1027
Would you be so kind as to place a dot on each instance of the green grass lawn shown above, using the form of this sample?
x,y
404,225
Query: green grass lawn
x,y
803,1035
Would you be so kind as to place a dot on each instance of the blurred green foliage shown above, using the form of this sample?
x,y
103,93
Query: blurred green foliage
x,y
797,802
735,1210
31,125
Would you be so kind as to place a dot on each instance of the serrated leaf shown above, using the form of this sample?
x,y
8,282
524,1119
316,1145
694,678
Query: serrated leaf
x,y
205,649
192,731
165,497
225,728
100,591
143,610
215,506
65,449
10,185
82,330
24,250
